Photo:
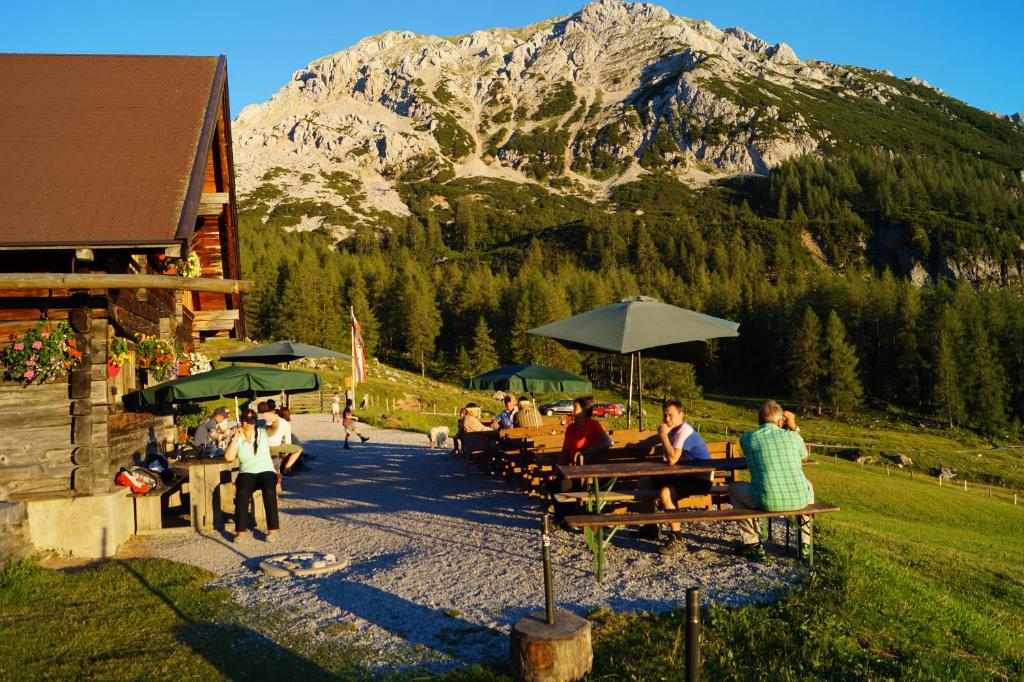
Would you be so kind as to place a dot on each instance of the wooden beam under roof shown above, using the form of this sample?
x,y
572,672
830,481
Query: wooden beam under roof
x,y
60,280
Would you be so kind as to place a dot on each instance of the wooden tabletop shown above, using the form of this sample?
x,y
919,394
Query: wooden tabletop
x,y
628,469
656,468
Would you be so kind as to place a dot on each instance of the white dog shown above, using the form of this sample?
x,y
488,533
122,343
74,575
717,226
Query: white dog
x,y
437,435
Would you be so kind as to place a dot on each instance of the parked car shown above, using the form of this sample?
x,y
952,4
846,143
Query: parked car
x,y
609,410
556,407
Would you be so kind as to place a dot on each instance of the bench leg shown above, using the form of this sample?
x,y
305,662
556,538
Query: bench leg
x,y
809,524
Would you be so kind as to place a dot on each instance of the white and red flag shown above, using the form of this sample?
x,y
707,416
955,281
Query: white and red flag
x,y
358,356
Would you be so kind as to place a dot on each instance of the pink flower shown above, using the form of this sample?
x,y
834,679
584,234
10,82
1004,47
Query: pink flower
x,y
46,335
19,346
31,361
37,345
28,375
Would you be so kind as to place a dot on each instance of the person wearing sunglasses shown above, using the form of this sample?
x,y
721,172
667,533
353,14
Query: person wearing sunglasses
x,y
251,446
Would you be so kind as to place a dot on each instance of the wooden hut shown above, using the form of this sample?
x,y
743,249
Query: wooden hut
x,y
113,169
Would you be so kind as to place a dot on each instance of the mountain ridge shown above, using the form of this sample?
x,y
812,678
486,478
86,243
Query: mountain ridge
x,y
573,103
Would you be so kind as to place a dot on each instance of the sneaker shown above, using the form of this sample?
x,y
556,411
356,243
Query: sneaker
x,y
364,438
675,545
754,552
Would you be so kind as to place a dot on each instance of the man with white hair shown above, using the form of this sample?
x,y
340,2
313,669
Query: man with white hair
x,y
775,453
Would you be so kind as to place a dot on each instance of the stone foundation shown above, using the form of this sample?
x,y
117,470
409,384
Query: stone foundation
x,y
92,526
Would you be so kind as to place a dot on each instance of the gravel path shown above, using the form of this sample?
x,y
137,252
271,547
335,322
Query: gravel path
x,y
442,564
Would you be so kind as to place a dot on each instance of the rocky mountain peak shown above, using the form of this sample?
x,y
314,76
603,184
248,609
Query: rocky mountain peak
x,y
580,102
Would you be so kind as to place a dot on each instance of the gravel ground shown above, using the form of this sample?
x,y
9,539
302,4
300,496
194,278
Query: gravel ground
x,y
443,564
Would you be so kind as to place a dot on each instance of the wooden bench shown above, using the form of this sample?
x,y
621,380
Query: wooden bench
x,y
597,522
150,507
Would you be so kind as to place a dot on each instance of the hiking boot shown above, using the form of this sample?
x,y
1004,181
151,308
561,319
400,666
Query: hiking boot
x,y
754,552
364,438
675,545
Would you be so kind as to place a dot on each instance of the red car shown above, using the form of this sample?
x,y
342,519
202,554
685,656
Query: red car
x,y
609,410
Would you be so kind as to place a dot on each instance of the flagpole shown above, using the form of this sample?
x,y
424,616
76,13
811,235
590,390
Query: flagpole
x,y
352,336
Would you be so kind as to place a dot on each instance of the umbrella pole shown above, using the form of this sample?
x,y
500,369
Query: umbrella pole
x,y
640,388
238,416
629,401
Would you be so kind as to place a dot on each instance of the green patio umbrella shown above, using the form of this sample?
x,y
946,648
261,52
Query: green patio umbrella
x,y
529,379
638,325
227,382
282,351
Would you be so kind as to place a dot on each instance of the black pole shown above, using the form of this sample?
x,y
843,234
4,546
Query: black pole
x,y
549,596
692,634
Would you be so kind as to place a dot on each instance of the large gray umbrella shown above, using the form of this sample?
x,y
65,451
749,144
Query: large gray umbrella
x,y
282,351
639,324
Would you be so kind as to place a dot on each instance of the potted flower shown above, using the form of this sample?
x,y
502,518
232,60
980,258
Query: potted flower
x,y
118,355
198,363
41,354
159,356
189,266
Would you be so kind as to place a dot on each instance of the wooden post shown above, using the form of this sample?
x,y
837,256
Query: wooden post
x,y
965,484
551,653
940,479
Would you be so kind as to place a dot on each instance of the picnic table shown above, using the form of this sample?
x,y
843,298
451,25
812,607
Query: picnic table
x,y
211,485
611,472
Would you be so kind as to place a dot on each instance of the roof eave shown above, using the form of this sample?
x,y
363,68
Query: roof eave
x,y
190,206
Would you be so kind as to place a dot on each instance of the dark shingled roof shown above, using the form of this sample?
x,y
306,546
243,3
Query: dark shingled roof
x,y
98,149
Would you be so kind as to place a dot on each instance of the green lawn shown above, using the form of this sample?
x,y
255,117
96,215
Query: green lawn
x,y
914,582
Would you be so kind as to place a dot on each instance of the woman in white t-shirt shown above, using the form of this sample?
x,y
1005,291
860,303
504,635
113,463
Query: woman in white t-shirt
x,y
279,438
335,409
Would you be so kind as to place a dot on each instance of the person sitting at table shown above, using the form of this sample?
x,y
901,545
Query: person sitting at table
x,y
471,420
774,453
212,434
527,416
506,418
250,445
583,435
279,437
680,442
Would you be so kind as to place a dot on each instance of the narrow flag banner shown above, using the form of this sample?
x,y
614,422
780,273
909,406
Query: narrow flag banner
x,y
358,356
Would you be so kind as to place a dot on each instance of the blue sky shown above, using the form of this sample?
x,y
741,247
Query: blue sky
x,y
970,50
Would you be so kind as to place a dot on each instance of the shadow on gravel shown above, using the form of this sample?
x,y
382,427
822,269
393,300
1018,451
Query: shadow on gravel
x,y
394,478
443,630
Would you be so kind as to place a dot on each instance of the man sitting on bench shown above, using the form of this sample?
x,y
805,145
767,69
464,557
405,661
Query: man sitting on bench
x,y
679,441
775,453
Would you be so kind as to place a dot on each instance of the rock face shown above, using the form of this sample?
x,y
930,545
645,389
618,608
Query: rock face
x,y
1017,118
581,102
590,99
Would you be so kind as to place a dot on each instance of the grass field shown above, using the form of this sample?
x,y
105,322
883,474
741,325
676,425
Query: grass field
x,y
913,582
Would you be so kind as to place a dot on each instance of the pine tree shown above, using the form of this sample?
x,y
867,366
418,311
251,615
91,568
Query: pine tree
x,y
467,227
419,317
806,361
484,356
464,367
947,395
986,382
840,387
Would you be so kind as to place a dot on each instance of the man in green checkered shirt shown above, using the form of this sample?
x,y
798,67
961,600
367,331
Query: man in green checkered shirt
x,y
775,453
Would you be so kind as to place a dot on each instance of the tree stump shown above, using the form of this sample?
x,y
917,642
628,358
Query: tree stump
x,y
551,653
